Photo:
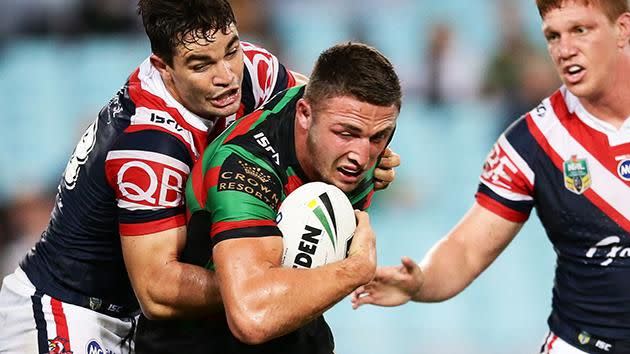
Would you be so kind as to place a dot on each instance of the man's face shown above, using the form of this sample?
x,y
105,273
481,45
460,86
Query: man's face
x,y
206,76
345,138
582,43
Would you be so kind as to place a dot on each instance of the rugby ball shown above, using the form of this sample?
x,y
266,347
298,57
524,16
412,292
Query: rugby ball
x,y
317,223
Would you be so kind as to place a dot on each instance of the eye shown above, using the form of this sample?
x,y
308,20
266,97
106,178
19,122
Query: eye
x,y
551,36
199,67
231,53
581,30
378,138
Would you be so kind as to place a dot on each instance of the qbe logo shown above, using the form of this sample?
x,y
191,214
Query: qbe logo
x,y
623,169
93,347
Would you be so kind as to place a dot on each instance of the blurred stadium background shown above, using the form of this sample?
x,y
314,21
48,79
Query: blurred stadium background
x,y
468,68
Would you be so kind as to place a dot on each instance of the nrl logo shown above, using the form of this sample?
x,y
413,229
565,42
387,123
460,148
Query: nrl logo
x,y
577,178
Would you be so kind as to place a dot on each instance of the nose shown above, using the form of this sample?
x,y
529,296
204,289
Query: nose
x,y
224,74
566,49
360,153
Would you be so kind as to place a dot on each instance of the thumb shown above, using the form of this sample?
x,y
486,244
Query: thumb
x,y
409,264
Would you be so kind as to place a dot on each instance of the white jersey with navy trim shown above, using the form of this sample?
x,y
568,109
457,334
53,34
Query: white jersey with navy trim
x,y
126,176
575,170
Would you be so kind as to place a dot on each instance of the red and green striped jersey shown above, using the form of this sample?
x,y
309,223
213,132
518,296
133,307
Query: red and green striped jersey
x,y
243,176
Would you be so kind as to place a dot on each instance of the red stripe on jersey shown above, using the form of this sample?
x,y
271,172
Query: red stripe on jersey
x,y
500,209
222,226
594,141
290,79
551,342
590,194
196,180
212,177
368,200
152,227
61,323
293,182
143,98
244,125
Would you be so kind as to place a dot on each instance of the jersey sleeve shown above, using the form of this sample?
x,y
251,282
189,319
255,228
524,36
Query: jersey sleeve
x,y
266,75
243,195
506,185
147,170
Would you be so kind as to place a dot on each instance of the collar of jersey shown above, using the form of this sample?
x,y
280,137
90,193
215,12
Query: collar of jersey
x,y
151,81
615,136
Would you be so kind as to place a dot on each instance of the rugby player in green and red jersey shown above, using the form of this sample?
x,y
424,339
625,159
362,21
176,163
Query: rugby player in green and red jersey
x,y
332,130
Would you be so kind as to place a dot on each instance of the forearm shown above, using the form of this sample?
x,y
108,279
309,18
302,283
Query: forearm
x,y
447,271
281,300
455,261
181,290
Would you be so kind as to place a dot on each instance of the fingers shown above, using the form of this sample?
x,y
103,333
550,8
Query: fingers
x,y
409,264
384,174
360,297
389,159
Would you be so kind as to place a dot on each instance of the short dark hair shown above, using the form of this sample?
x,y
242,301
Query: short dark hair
x,y
612,8
357,70
169,23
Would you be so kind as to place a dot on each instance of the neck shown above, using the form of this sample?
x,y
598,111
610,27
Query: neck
x,y
613,105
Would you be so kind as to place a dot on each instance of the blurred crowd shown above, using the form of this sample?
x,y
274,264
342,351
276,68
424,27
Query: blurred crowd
x,y
443,68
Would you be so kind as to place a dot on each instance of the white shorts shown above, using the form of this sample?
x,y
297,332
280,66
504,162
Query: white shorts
x,y
31,322
555,345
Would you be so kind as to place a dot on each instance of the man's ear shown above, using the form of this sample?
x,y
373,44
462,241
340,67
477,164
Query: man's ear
x,y
304,113
623,30
161,66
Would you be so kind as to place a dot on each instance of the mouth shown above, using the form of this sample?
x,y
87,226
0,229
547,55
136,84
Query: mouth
x,y
351,174
573,74
227,98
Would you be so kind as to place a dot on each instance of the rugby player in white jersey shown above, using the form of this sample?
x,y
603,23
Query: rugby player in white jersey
x,y
570,159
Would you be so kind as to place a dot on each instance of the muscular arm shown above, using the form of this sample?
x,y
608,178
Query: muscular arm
x,y
165,287
264,300
456,260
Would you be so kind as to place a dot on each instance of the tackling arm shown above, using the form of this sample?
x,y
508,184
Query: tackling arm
x,y
165,287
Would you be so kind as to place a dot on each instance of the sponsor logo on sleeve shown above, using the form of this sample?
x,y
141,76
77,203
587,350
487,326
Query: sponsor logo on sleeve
x,y
240,175
148,180
499,169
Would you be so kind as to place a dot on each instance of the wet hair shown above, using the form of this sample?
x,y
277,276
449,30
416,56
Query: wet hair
x,y
171,23
612,8
356,70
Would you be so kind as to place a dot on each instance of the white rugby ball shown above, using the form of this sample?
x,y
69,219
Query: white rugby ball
x,y
317,223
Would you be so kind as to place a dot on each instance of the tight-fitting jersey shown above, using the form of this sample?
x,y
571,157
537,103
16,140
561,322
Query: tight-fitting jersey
x,y
235,191
127,176
575,169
